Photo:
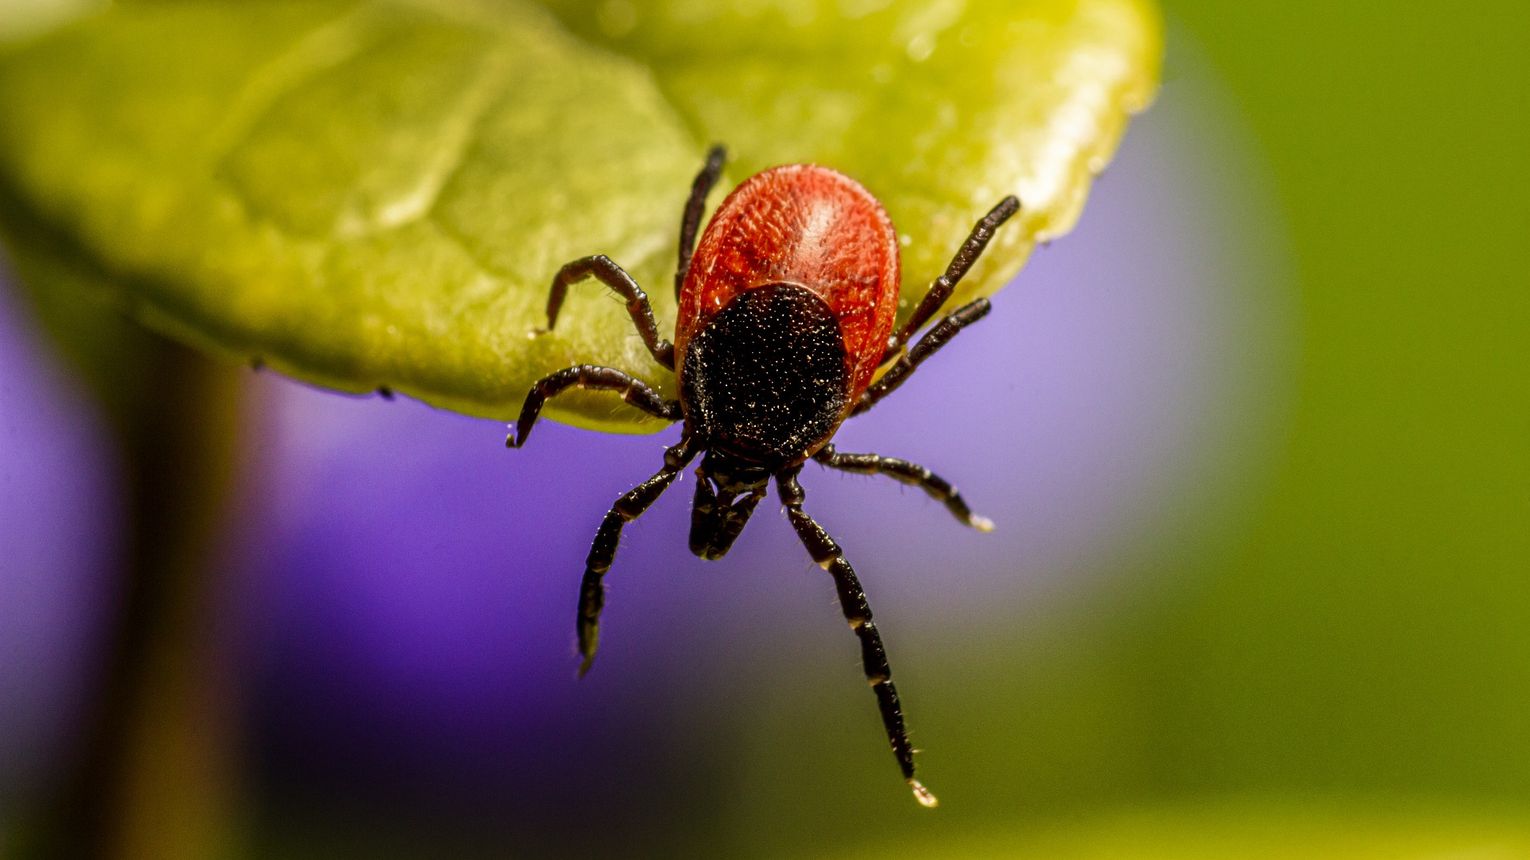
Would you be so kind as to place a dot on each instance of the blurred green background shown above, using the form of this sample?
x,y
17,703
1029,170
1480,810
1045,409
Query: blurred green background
x,y
1328,653
1367,632
1360,643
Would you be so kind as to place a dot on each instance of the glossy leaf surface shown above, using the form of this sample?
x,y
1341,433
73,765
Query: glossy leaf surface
x,y
372,193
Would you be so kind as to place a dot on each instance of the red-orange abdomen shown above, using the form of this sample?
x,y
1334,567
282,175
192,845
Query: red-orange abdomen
x,y
807,225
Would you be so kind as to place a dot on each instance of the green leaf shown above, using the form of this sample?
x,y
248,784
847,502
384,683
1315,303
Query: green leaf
x,y
372,193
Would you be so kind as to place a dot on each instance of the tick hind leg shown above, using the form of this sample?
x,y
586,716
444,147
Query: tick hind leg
x,y
912,474
690,219
934,299
592,589
607,272
938,336
852,600
592,377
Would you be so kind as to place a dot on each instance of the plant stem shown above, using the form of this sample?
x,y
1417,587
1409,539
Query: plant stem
x,y
152,777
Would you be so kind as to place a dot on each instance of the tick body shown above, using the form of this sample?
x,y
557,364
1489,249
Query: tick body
x,y
786,311
812,231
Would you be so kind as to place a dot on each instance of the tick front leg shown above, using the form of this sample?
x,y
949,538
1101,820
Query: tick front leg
x,y
607,272
592,589
904,472
852,600
635,391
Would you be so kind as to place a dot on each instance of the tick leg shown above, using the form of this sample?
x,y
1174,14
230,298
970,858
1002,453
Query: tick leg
x,y
908,473
592,589
852,600
690,220
932,340
602,269
635,391
966,255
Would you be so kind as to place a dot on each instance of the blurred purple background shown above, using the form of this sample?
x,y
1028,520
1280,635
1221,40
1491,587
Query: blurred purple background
x,y
59,539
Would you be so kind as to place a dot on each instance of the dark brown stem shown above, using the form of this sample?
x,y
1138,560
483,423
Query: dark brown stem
x,y
151,775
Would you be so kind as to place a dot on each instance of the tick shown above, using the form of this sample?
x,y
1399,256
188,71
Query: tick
x,y
786,313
